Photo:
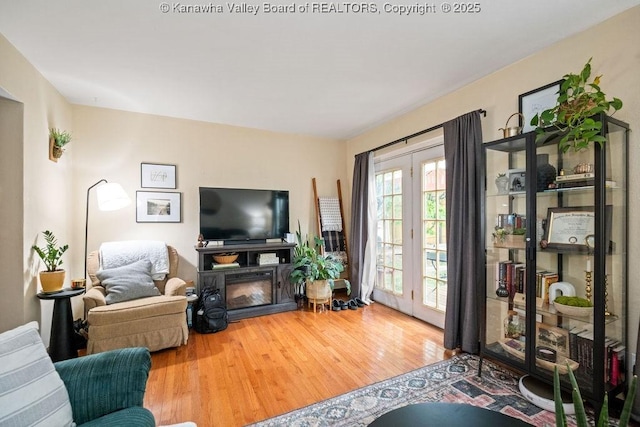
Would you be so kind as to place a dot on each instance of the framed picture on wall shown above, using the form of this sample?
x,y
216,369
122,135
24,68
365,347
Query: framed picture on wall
x,y
536,101
157,206
157,176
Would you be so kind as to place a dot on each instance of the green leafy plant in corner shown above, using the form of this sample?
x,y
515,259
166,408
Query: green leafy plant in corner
x,y
60,138
578,404
579,100
309,264
50,254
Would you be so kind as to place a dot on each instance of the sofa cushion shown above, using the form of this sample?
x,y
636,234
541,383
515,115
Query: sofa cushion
x,y
128,282
152,307
31,391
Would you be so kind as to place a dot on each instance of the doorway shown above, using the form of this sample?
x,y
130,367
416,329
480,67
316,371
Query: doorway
x,y
411,232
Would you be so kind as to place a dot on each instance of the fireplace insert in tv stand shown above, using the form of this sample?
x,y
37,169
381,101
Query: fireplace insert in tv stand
x,y
250,288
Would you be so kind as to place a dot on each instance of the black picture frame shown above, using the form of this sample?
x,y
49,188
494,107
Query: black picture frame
x,y
158,206
571,229
536,101
158,175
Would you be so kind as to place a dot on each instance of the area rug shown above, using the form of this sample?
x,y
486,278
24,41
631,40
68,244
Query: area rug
x,y
454,380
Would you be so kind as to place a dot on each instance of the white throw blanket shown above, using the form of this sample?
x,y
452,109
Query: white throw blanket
x,y
330,216
117,254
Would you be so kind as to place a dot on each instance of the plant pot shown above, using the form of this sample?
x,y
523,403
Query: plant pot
x,y
57,152
510,241
52,281
319,290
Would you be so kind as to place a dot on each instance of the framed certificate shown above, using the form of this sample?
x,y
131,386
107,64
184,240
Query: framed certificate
x,y
573,228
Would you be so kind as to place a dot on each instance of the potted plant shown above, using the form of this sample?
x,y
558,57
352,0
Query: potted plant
x,y
57,140
509,237
581,417
52,278
314,274
574,117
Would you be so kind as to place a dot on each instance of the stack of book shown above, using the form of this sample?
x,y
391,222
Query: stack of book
x,y
580,180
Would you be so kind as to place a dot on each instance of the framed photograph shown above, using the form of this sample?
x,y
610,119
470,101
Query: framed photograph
x,y
516,180
573,228
156,206
157,176
536,101
552,337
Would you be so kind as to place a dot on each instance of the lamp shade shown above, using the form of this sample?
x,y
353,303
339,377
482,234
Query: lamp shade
x,y
111,197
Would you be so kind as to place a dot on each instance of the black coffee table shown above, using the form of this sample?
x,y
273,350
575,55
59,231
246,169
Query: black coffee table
x,y
445,414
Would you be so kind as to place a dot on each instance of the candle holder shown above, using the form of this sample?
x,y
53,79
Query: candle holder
x,y
587,286
606,296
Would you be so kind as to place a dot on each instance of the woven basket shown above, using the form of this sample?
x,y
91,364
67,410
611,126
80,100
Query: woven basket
x,y
225,258
318,290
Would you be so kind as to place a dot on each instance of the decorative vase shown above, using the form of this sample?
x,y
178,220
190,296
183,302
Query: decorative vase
x,y
502,184
546,173
52,281
502,291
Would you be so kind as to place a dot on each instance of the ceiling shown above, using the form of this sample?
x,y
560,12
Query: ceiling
x,y
331,73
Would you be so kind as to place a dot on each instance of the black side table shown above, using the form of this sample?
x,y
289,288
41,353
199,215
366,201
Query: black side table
x,y
61,344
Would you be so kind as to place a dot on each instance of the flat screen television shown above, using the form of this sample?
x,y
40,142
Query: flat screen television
x,y
236,215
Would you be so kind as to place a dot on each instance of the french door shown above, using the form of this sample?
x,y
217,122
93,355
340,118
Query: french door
x,y
411,234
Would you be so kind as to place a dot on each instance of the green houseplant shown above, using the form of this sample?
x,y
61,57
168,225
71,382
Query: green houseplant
x,y
57,140
574,115
309,266
581,417
52,278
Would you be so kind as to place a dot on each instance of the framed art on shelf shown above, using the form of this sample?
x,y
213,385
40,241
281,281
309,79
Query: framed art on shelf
x,y
157,176
517,180
156,206
536,101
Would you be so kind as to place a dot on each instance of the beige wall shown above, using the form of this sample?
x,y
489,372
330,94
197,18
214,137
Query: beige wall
x,y
616,54
111,144
46,187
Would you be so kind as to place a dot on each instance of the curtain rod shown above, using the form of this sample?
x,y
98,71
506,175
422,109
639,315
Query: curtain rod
x,y
432,128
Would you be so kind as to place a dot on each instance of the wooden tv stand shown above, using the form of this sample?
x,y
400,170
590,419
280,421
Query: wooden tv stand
x,y
276,298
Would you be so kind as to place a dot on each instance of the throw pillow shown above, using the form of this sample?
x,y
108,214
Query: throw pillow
x,y
31,391
128,282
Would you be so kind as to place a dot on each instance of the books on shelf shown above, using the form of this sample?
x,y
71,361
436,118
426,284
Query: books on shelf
x,y
581,349
514,277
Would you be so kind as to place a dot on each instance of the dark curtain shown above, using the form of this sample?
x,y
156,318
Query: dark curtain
x,y
462,145
359,224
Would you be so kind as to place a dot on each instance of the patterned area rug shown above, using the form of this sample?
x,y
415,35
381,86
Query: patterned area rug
x,y
453,380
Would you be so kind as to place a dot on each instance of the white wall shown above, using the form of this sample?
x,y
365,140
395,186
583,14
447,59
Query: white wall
x,y
46,186
616,54
111,144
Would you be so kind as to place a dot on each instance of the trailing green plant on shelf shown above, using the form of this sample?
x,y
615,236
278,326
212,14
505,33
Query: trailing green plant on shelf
x,y
578,404
50,254
500,234
579,101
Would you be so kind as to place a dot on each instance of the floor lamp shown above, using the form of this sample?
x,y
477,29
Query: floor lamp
x,y
111,197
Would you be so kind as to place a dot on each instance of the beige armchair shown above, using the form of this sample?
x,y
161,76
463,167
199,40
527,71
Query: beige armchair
x,y
155,322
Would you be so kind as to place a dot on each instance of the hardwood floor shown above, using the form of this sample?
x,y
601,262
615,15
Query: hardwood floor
x,y
261,367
